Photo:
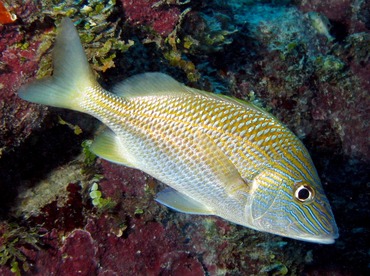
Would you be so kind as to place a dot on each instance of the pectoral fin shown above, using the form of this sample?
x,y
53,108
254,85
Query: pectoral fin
x,y
181,203
223,169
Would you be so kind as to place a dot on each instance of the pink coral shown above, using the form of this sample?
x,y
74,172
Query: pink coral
x,y
17,65
78,254
343,12
143,12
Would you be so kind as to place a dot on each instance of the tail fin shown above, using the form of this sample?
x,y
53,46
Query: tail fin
x,y
72,73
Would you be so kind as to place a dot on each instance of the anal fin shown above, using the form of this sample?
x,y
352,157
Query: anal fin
x,y
108,146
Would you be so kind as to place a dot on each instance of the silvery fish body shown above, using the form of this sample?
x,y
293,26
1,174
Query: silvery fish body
x,y
219,155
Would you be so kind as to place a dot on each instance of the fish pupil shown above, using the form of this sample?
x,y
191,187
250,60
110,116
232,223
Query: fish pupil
x,y
303,193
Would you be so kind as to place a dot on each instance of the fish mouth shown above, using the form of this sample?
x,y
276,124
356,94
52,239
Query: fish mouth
x,y
322,237
321,240
293,232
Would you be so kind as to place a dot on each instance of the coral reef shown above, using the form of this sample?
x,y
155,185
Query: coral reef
x,y
19,59
25,56
347,16
76,238
64,212
141,12
15,242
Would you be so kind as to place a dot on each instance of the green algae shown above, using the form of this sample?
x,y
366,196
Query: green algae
x,y
173,53
328,67
89,156
276,269
23,45
138,211
176,59
102,204
212,33
76,129
13,237
97,33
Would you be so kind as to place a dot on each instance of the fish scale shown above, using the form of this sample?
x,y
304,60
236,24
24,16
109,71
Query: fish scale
x,y
221,136
163,111
218,155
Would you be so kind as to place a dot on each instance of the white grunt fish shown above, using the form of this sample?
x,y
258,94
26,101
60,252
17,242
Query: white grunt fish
x,y
221,156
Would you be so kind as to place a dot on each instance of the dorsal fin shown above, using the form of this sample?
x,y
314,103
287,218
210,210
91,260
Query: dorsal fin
x,y
159,84
149,84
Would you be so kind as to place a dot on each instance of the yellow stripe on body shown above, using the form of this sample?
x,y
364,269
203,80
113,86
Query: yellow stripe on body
x,y
233,135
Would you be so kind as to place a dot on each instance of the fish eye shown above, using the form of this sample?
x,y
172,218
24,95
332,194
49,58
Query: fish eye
x,y
304,193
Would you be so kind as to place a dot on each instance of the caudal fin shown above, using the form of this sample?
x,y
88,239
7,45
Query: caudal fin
x,y
71,77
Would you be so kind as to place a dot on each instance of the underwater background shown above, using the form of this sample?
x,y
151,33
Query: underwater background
x,y
63,211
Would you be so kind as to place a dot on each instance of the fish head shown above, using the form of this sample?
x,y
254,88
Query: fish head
x,y
289,207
